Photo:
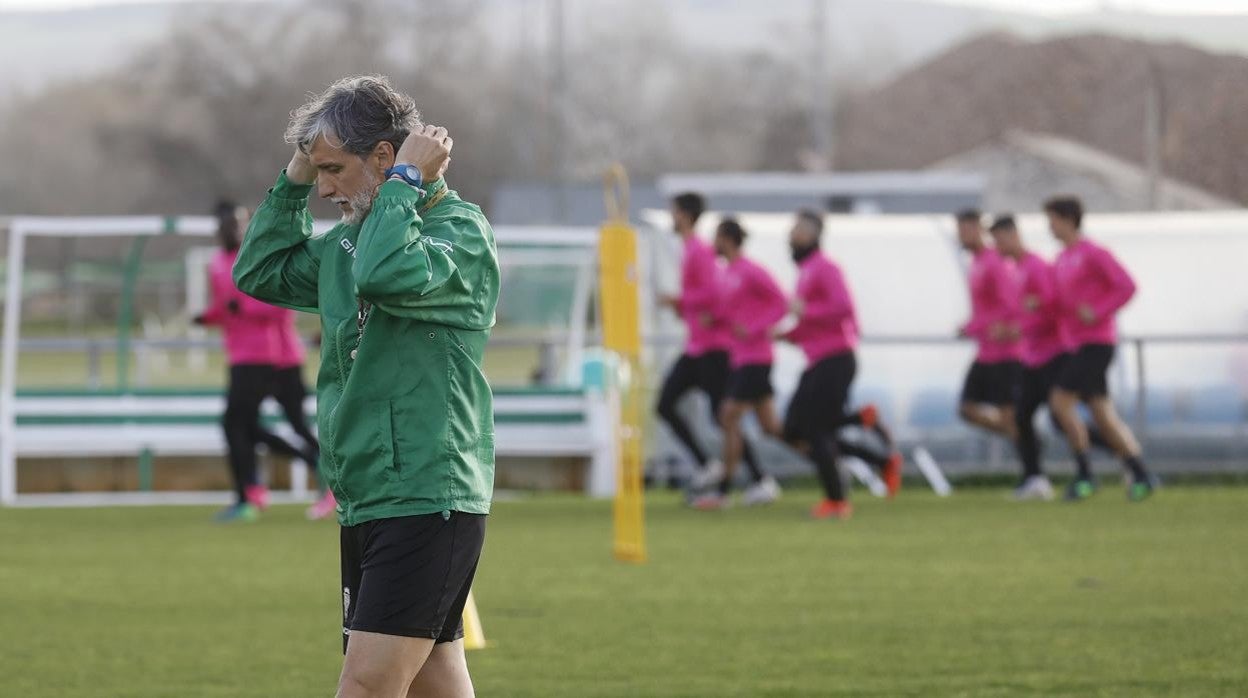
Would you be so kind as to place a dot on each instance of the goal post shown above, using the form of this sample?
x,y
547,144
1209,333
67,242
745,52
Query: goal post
x,y
546,320
138,230
20,229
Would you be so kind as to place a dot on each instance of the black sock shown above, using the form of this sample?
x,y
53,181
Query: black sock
x,y
1136,466
1027,445
725,486
1082,469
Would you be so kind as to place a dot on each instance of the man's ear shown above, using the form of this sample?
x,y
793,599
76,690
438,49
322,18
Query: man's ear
x,y
384,155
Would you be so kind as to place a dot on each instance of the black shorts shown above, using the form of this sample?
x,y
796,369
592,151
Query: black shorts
x,y
707,372
1036,384
1086,372
750,383
410,575
821,397
992,383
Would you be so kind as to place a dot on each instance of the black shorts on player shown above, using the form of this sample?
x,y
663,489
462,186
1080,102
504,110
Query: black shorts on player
x,y
1036,383
750,383
817,412
410,576
1086,372
707,372
814,414
822,396
993,383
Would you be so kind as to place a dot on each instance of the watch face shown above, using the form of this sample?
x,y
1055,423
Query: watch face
x,y
412,172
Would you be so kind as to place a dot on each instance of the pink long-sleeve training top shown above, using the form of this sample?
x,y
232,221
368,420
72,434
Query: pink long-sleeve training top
x,y
1040,318
701,289
1088,276
752,304
994,286
258,333
827,325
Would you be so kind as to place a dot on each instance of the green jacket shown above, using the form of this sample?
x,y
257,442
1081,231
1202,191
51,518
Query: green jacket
x,y
407,426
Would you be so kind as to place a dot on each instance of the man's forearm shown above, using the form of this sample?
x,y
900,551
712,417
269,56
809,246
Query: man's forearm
x,y
274,263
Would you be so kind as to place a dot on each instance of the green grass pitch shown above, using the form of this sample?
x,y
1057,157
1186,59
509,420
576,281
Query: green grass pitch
x,y
970,596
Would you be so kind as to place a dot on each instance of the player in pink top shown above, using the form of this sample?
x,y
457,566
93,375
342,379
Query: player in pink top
x,y
752,303
991,384
827,332
1043,352
704,363
265,357
1091,288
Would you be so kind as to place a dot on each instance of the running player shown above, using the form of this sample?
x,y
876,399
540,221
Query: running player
x,y
752,304
1091,288
1042,352
704,363
259,338
827,332
988,393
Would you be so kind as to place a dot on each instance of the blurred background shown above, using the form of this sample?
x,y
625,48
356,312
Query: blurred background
x,y
887,114
179,100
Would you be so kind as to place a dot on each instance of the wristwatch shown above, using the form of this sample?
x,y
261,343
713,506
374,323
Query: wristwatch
x,y
407,173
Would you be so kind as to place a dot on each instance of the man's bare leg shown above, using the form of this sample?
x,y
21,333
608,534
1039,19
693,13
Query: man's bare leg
x,y
765,410
1117,434
1065,406
998,420
381,666
444,675
1005,413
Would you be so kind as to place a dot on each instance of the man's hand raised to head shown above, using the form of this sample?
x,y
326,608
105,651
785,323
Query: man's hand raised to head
x,y
300,169
429,149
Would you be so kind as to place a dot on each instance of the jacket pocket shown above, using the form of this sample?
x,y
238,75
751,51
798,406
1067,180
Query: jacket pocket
x,y
394,426
383,456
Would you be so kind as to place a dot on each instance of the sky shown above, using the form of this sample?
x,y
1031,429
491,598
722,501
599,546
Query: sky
x,y
1034,6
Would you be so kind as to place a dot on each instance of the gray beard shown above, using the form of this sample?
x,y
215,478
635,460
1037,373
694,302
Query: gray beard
x,y
361,203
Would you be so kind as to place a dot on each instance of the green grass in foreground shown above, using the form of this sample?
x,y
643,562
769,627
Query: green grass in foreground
x,y
972,596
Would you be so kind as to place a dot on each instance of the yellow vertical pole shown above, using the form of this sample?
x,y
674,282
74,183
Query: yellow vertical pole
x,y
621,331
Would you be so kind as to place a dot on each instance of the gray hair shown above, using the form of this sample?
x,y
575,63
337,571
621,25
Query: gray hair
x,y
355,114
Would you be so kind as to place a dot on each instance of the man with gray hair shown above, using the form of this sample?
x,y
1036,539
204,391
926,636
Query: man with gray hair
x,y
406,286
